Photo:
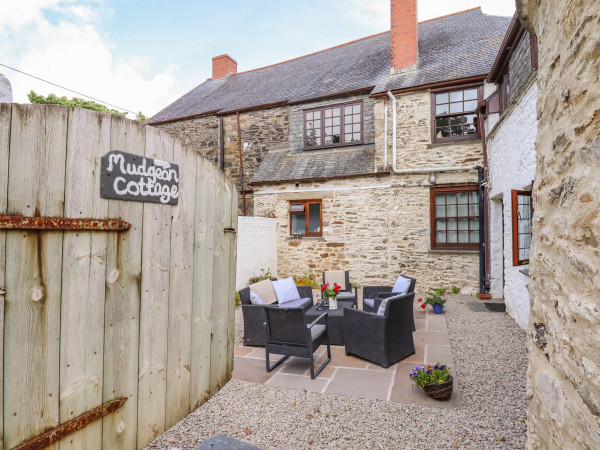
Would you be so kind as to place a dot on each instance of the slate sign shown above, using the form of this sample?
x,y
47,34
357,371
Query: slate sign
x,y
125,176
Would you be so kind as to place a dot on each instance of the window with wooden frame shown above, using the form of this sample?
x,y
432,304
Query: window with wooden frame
x,y
455,218
454,113
306,218
333,126
521,226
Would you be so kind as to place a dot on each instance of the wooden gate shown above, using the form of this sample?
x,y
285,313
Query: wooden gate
x,y
89,316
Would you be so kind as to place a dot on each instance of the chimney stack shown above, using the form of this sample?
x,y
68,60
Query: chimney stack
x,y
222,66
404,34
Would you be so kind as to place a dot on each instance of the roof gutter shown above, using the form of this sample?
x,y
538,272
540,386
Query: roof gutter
x,y
193,116
430,86
303,180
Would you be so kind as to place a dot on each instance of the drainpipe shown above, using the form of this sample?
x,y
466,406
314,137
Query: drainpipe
x,y
385,137
394,131
239,136
480,183
221,145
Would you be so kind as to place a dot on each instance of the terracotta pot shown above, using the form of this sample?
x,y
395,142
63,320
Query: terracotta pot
x,y
485,296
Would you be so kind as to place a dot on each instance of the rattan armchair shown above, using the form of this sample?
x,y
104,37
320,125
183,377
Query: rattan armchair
x,y
254,319
378,293
288,334
351,291
385,339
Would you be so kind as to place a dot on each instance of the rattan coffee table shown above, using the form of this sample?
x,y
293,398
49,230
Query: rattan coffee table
x,y
335,320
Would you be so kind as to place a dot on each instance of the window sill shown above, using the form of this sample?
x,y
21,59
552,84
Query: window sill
x,y
333,147
457,141
452,251
293,238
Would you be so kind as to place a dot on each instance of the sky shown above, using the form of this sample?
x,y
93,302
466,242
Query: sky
x,y
141,55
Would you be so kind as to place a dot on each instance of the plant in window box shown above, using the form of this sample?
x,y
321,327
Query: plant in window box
x,y
435,299
330,293
435,380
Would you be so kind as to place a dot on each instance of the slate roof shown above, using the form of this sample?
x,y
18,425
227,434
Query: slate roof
x,y
450,48
281,167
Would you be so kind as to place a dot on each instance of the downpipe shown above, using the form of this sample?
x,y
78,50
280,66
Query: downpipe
x,y
481,182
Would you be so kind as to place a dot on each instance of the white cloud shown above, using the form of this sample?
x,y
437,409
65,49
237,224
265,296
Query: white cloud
x,y
74,53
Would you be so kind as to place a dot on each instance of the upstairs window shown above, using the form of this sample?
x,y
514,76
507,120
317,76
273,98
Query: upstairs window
x,y
455,218
521,226
305,218
454,114
333,126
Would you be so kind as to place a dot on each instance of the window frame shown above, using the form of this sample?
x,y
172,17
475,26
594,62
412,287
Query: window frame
x,y
305,211
515,225
467,137
342,125
432,216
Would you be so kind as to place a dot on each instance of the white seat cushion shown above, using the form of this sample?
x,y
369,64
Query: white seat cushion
x,y
369,302
255,298
295,303
336,276
401,286
381,310
286,290
265,291
316,331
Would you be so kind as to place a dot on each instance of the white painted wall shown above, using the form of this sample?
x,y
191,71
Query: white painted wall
x,y
256,248
511,156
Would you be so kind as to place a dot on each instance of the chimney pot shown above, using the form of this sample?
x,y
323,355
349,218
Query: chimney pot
x,y
222,66
404,34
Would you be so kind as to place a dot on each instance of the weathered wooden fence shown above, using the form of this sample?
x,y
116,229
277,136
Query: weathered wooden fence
x,y
89,316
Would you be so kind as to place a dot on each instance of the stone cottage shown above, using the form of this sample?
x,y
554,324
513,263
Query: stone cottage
x,y
365,153
511,129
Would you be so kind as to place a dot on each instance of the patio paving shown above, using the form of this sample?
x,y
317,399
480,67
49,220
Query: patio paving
x,y
355,377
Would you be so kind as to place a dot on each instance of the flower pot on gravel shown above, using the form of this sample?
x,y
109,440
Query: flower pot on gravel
x,y
435,298
435,381
485,296
439,391
438,308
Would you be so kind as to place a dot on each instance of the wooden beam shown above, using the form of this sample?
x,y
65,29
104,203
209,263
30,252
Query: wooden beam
x,y
61,223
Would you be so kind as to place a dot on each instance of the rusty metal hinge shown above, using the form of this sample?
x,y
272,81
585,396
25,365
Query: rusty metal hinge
x,y
61,223
73,425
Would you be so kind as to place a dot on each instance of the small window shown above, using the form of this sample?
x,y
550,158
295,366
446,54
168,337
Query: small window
x,y
305,218
455,114
333,126
521,224
455,218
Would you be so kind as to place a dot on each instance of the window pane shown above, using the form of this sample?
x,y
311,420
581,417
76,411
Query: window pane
x,y
317,124
471,105
298,222
356,109
336,120
356,127
441,98
297,207
471,94
474,210
348,129
443,132
314,218
328,113
442,109
336,111
451,224
470,129
348,110
328,122
456,131
474,237
470,119
356,118
473,197
336,130
440,199
456,107
456,96
317,114
451,235
474,224
463,198
356,137
441,121
463,236
440,225
440,211
450,199
463,224
309,116
463,210
328,140
440,237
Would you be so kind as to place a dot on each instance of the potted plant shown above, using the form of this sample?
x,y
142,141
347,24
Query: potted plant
x,y
435,299
435,381
331,294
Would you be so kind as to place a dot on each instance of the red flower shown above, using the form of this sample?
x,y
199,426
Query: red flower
x,y
423,306
420,299
337,288
323,287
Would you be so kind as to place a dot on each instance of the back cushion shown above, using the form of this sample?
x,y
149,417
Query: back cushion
x,y
264,289
286,290
336,276
402,285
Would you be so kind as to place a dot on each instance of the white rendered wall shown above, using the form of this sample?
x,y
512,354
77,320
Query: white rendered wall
x,y
511,156
256,248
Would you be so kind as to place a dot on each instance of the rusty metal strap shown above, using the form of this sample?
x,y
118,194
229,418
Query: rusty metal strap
x,y
71,426
61,223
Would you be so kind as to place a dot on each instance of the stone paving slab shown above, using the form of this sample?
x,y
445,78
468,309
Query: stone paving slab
x,y
353,376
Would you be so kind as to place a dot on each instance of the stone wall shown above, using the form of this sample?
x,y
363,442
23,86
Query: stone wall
x,y
564,328
373,227
511,160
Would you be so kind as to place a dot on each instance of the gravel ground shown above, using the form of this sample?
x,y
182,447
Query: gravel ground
x,y
490,359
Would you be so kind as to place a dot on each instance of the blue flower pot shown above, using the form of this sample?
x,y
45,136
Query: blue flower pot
x,y
438,308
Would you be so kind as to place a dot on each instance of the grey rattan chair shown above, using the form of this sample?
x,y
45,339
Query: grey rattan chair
x,y
378,293
351,291
385,339
288,334
254,319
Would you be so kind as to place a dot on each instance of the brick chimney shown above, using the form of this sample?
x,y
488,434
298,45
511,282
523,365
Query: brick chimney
x,y
222,66
404,34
